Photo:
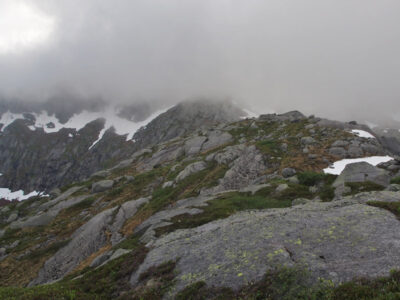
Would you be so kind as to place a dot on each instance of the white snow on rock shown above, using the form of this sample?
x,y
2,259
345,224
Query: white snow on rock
x,y
123,126
78,121
337,167
250,114
18,195
362,133
8,117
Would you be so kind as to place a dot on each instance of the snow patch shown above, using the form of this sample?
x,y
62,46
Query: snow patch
x,y
362,133
50,123
250,114
18,195
8,117
70,135
123,126
337,167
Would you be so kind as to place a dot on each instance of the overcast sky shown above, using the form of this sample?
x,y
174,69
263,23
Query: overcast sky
x,y
336,58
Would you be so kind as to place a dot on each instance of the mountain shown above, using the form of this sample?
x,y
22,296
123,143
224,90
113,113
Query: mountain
x,y
44,149
275,207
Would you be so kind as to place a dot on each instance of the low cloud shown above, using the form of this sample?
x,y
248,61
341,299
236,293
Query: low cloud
x,y
332,58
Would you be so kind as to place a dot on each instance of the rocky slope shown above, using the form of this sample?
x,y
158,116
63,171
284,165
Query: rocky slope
x,y
235,210
41,159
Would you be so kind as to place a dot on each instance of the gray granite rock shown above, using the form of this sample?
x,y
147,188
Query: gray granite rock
x,y
101,186
288,172
361,172
191,169
336,241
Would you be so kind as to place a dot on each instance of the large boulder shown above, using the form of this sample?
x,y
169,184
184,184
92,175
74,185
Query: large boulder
x,y
89,238
361,172
123,164
228,155
168,153
335,241
288,172
191,169
193,145
102,186
291,116
215,139
248,169
45,217
338,151
307,140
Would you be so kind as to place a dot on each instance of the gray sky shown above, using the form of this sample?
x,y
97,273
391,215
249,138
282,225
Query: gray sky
x,y
336,58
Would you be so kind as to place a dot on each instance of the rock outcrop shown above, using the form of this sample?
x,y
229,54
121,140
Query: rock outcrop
x,y
336,241
88,239
361,172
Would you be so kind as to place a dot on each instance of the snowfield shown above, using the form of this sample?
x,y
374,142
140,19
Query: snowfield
x,y
337,167
362,133
78,121
18,195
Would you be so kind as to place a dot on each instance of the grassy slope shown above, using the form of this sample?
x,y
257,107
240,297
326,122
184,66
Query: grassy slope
x,y
112,279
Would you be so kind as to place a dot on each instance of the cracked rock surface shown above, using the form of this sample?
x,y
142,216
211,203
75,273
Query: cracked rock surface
x,y
338,241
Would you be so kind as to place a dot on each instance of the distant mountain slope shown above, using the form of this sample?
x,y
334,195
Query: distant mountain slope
x,y
232,210
39,151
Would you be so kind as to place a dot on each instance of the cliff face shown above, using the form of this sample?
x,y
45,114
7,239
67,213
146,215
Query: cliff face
x,y
230,209
41,159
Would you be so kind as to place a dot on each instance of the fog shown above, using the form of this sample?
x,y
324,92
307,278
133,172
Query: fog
x,y
334,58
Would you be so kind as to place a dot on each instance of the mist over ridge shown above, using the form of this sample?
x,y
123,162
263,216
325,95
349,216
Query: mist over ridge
x,y
333,59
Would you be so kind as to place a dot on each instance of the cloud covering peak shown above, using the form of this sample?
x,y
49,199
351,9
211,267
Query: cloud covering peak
x,y
335,58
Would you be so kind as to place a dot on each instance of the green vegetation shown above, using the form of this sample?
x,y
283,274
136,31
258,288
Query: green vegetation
x,y
51,249
393,207
270,147
383,288
395,180
188,187
115,192
294,284
310,178
282,284
278,284
323,181
224,206
154,282
367,186
81,205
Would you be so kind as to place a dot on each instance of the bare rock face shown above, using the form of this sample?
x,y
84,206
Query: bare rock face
x,y
358,240
215,139
191,169
88,239
193,145
102,186
52,208
361,172
56,159
246,170
291,116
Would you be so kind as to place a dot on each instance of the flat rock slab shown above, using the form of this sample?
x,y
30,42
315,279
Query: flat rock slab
x,y
102,186
361,172
88,239
337,241
48,216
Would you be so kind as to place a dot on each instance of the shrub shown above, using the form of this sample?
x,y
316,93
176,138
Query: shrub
x,y
395,180
310,178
